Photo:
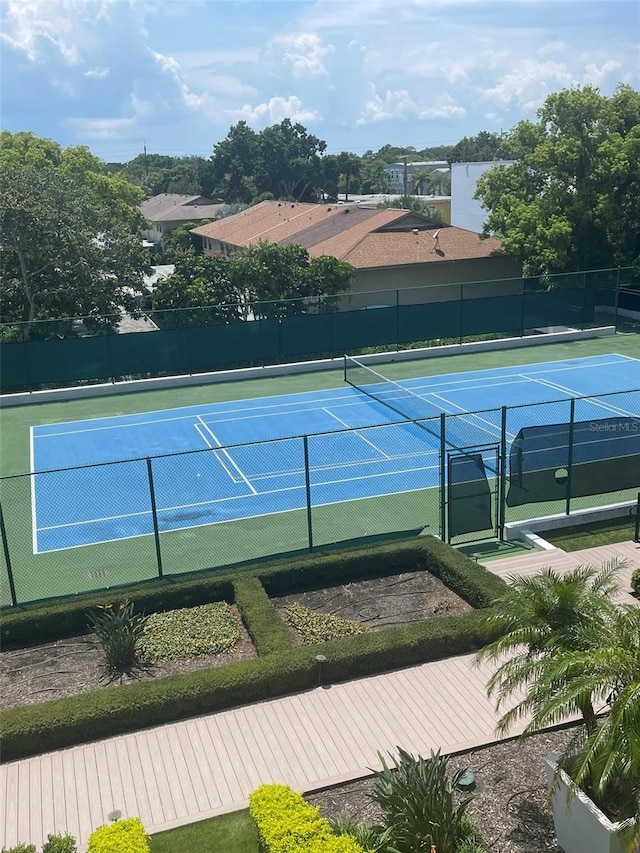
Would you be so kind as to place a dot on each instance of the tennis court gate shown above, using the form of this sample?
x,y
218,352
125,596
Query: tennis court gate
x,y
472,483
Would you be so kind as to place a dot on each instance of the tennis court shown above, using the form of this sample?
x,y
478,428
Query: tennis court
x,y
105,479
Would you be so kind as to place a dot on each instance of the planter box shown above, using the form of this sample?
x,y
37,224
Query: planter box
x,y
579,824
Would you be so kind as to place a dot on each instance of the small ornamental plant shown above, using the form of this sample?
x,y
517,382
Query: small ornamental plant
x,y
118,629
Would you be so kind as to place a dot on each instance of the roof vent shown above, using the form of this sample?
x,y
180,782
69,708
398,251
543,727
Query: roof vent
x,y
415,231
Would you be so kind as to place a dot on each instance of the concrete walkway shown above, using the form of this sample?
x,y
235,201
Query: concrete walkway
x,y
187,771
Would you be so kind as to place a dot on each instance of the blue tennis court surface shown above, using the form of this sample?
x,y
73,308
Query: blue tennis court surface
x,y
235,460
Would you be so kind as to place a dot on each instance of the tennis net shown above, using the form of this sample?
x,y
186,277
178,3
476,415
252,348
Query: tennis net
x,y
462,428
403,401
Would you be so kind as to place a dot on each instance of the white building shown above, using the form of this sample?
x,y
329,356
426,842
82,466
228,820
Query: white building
x,y
466,212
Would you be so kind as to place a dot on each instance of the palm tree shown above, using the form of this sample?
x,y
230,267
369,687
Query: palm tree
x,y
537,618
575,652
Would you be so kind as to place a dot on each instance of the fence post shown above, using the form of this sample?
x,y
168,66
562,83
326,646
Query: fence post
x,y
5,548
570,454
397,334
617,299
503,473
307,482
443,478
636,535
154,515
461,313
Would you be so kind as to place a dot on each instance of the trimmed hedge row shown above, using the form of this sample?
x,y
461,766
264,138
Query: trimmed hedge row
x,y
42,623
281,669
122,836
288,824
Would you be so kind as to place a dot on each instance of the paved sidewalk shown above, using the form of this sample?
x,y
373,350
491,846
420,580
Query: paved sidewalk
x,y
187,771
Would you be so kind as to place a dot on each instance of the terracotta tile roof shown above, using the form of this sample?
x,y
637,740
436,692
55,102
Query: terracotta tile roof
x,y
388,249
364,237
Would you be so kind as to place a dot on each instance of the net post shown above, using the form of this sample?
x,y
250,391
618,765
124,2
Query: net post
x,y
5,548
503,473
307,483
570,454
443,478
154,515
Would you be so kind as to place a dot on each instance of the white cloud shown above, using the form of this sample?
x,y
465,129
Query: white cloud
x,y
304,53
274,111
529,83
103,129
595,75
38,27
400,105
98,73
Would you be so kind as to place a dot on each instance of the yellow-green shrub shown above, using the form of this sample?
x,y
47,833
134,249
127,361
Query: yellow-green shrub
x,y
123,836
287,824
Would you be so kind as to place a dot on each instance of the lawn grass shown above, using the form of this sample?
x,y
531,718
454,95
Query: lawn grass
x,y
592,535
229,833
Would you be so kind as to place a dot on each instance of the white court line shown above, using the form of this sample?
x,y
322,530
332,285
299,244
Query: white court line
x,y
218,460
227,454
355,429
244,497
590,399
34,511
494,431
269,475
302,407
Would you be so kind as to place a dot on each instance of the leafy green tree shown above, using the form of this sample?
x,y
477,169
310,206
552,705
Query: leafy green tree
x,y
282,281
483,147
70,236
202,284
181,243
570,201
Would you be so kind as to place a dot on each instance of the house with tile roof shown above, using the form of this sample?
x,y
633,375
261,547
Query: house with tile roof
x,y
168,211
391,249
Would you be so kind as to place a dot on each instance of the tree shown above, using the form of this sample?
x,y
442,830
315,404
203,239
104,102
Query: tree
x,y
572,650
282,159
181,243
570,201
70,236
476,149
282,281
200,283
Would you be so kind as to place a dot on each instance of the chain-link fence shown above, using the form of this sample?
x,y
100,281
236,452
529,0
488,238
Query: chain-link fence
x,y
53,353
462,476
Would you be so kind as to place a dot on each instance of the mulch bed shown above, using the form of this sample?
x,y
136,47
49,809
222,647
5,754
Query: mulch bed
x,y
510,800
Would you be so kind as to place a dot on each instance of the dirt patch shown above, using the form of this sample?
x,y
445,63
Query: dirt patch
x,y
510,803
72,666
383,602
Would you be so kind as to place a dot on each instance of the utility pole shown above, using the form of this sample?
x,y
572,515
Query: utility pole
x,y
146,165
404,178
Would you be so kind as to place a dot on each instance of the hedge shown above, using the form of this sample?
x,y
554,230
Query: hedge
x,y
288,824
122,836
42,623
280,669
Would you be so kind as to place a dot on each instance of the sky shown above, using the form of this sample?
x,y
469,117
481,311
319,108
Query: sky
x,y
175,75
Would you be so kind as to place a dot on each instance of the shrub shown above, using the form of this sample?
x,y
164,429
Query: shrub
x,y
123,836
287,824
635,582
118,630
59,844
418,804
209,629
316,627
20,848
